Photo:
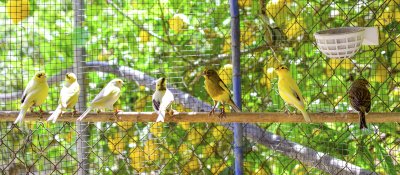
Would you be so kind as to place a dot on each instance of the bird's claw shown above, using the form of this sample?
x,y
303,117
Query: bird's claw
x,y
287,112
170,112
116,111
211,112
222,114
74,112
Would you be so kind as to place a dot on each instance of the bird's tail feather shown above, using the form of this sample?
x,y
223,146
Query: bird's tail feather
x,y
305,115
21,116
161,116
363,122
55,114
233,105
84,114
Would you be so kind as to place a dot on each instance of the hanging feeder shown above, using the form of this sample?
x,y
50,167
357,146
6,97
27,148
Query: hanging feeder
x,y
345,42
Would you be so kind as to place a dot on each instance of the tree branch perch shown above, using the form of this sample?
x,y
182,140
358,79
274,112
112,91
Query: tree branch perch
x,y
293,150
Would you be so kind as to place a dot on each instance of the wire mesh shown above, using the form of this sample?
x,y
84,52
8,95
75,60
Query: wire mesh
x,y
177,40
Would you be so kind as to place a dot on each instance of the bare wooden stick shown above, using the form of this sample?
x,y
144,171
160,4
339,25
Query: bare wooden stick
x,y
245,117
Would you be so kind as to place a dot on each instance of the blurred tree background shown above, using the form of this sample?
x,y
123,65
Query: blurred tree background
x,y
178,39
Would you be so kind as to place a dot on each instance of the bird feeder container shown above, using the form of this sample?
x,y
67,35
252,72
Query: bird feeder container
x,y
345,42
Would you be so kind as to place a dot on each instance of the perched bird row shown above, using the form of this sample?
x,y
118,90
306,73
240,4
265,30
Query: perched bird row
x,y
37,90
36,93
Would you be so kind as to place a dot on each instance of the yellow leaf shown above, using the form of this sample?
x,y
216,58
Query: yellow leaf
x,y
17,10
140,104
137,159
341,63
248,36
194,137
295,28
381,74
244,3
151,151
192,165
184,125
125,125
225,73
277,9
115,143
144,36
395,60
218,168
176,23
227,46
157,129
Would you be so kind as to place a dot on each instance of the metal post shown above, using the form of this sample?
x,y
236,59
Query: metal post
x,y
235,46
79,69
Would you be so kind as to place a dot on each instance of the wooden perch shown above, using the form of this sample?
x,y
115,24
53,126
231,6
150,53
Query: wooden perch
x,y
294,150
202,117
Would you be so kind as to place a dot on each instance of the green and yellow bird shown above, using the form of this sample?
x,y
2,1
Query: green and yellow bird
x,y
68,96
218,91
34,95
290,92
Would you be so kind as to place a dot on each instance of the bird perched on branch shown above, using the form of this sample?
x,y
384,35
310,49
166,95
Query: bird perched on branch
x,y
34,94
106,98
360,99
218,91
68,96
162,99
289,91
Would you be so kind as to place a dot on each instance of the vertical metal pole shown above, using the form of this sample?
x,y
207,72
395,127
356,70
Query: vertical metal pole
x,y
79,69
235,46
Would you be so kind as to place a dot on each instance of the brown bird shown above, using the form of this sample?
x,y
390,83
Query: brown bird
x,y
360,99
218,91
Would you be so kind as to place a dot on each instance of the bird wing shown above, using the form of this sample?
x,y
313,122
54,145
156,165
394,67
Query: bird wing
x,y
223,86
67,93
156,105
296,90
167,100
28,88
107,97
360,99
103,93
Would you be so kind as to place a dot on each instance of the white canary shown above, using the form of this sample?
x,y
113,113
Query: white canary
x,y
290,92
34,94
162,99
68,96
106,98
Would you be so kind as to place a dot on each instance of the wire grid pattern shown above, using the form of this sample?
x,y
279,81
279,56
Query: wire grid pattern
x,y
177,39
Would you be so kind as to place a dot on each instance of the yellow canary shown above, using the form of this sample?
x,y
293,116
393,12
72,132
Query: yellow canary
x,y
290,92
34,95
106,98
68,96
162,99
218,91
